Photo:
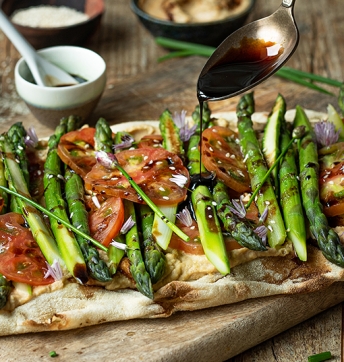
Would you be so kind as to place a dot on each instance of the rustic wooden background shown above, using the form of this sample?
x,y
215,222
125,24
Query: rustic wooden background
x,y
139,88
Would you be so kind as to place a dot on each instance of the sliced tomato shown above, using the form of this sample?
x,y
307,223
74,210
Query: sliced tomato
x,y
194,246
221,154
21,259
331,179
106,222
151,140
76,149
151,168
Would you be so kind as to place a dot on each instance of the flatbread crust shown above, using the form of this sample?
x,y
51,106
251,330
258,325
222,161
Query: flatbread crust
x,y
190,283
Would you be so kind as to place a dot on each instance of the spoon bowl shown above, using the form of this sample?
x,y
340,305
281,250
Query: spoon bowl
x,y
250,55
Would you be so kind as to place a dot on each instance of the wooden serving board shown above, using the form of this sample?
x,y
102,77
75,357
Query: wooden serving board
x,y
214,334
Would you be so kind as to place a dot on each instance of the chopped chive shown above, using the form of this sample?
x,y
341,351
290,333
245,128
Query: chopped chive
x,y
53,354
324,356
47,212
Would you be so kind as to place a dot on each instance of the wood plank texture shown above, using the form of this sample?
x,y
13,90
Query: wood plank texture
x,y
139,88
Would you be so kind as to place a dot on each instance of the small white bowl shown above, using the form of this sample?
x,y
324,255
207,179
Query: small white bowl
x,y
50,104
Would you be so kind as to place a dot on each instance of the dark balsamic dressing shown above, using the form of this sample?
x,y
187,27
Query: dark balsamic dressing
x,y
236,70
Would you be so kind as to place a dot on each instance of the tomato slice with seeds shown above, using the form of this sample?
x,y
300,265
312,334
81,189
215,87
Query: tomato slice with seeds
x,y
221,154
194,246
151,168
21,259
106,222
151,140
76,149
331,180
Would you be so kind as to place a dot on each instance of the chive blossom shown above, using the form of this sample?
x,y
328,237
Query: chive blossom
x,y
185,132
54,271
129,223
239,208
31,139
127,142
185,217
118,245
179,180
326,133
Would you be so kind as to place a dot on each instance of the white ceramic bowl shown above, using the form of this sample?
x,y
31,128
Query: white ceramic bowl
x,y
50,104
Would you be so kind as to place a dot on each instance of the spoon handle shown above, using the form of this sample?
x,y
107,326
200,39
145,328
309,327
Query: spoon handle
x,y
288,3
24,48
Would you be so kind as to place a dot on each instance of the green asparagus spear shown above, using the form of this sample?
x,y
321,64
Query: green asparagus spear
x,y
193,152
5,288
170,133
34,218
210,229
75,194
153,256
103,137
257,169
270,143
17,134
171,142
66,241
327,239
240,230
290,197
3,195
137,266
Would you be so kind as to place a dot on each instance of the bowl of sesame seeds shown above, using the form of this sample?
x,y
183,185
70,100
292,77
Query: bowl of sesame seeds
x,y
63,23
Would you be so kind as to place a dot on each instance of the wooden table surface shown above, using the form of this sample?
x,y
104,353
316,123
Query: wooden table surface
x,y
139,88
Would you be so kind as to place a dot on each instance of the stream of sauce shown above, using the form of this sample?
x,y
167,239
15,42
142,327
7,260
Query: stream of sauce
x,y
237,69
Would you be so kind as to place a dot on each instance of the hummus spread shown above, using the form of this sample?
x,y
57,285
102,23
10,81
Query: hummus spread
x,y
193,11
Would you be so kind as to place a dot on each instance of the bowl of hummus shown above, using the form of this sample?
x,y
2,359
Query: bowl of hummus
x,y
206,22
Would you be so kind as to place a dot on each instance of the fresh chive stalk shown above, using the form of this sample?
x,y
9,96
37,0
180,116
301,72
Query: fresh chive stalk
x,y
183,49
51,214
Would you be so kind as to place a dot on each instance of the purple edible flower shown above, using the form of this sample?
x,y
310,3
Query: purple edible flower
x,y
185,217
54,270
238,209
127,225
127,142
262,232
119,245
31,139
107,160
179,180
326,133
264,215
184,131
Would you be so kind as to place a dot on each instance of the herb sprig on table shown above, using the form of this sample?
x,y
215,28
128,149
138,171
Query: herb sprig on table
x,y
183,49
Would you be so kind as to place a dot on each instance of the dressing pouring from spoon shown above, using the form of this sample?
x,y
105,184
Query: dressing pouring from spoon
x,y
44,73
249,55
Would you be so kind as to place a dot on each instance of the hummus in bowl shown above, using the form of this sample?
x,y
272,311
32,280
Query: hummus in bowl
x,y
193,11
206,22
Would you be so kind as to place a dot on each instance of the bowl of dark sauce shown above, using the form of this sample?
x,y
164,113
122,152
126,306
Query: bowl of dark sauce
x,y
195,29
50,104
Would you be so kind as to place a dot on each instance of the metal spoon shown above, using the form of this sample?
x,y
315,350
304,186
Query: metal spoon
x,y
44,73
227,74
